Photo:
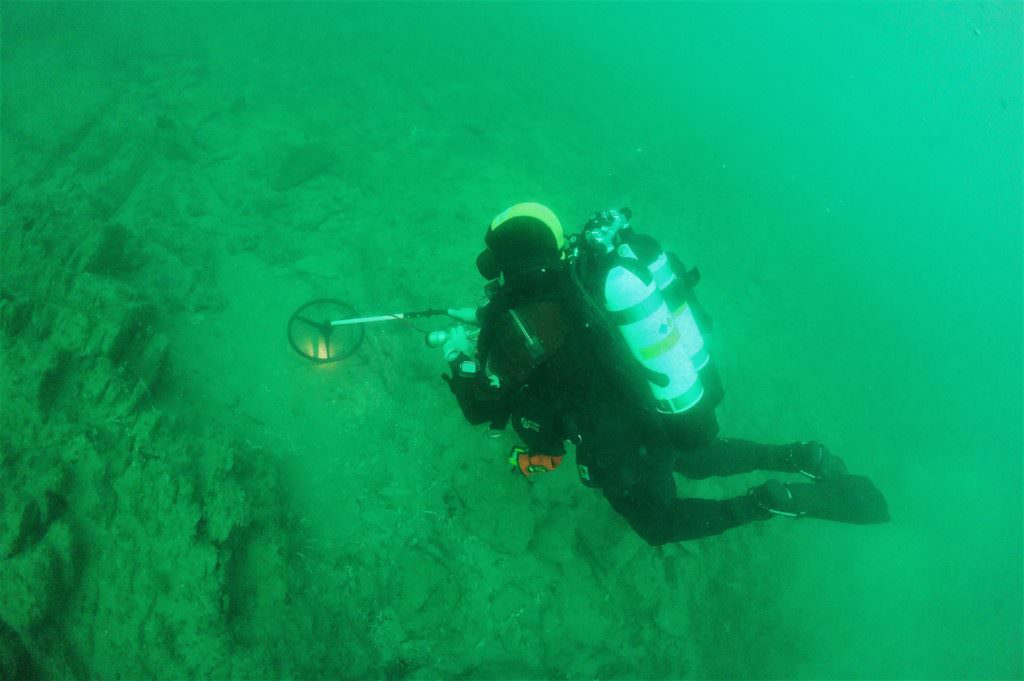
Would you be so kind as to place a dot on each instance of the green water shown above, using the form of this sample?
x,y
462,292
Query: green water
x,y
183,496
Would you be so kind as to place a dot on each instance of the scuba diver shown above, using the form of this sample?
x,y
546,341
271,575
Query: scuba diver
x,y
597,341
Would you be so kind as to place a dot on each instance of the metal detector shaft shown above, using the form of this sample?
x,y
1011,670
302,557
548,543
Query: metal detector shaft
x,y
388,317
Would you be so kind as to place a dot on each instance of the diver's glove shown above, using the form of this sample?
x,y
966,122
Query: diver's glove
x,y
458,343
813,460
842,498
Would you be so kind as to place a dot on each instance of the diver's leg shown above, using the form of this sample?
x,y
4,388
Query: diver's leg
x,y
659,517
730,456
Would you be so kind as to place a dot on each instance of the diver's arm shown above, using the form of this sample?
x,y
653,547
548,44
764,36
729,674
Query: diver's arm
x,y
479,399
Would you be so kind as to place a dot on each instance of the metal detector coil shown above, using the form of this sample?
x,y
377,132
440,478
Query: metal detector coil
x,y
315,333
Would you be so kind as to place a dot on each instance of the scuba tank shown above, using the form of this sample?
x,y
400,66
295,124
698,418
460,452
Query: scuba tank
x,y
675,293
647,294
676,283
635,305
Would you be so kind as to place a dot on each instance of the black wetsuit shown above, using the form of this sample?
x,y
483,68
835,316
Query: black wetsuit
x,y
584,391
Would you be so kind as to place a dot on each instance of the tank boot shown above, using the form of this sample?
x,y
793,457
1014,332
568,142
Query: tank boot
x,y
811,459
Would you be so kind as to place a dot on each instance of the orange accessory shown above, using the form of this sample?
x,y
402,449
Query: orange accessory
x,y
528,464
